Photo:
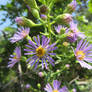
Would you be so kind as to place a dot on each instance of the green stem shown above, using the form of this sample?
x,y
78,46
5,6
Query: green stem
x,y
28,38
53,22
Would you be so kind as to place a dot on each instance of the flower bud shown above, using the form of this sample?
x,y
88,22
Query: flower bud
x,y
71,7
31,3
44,9
74,90
44,17
27,86
35,13
67,65
19,20
65,44
39,85
25,22
41,74
64,18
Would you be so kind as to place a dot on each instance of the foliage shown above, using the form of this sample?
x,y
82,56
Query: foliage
x,y
72,76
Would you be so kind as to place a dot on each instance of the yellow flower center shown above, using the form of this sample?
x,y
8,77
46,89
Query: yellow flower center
x,y
81,55
40,51
55,90
16,58
24,34
70,34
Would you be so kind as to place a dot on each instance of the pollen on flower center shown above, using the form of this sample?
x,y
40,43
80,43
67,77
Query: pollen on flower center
x,y
24,34
80,54
40,51
70,34
55,90
16,58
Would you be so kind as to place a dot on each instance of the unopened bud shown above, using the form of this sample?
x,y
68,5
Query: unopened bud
x,y
19,20
71,7
39,85
64,18
35,13
44,17
65,44
67,65
25,22
58,70
41,74
27,86
74,90
44,9
31,3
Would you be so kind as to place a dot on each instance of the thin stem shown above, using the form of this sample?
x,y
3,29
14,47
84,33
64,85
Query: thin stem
x,y
20,78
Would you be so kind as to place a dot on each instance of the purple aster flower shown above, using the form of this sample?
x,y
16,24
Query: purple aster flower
x,y
56,87
22,33
15,58
73,33
60,28
40,52
83,53
73,5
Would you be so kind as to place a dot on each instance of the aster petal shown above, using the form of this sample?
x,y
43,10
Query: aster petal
x,y
56,84
29,53
31,58
29,50
85,65
48,88
79,44
50,58
36,64
38,40
29,46
46,43
51,49
12,63
84,45
45,64
18,52
33,62
50,62
81,35
52,53
88,48
88,59
42,64
51,46
44,40
32,43
64,89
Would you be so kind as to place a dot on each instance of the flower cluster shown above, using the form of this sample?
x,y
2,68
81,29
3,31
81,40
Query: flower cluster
x,y
40,51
